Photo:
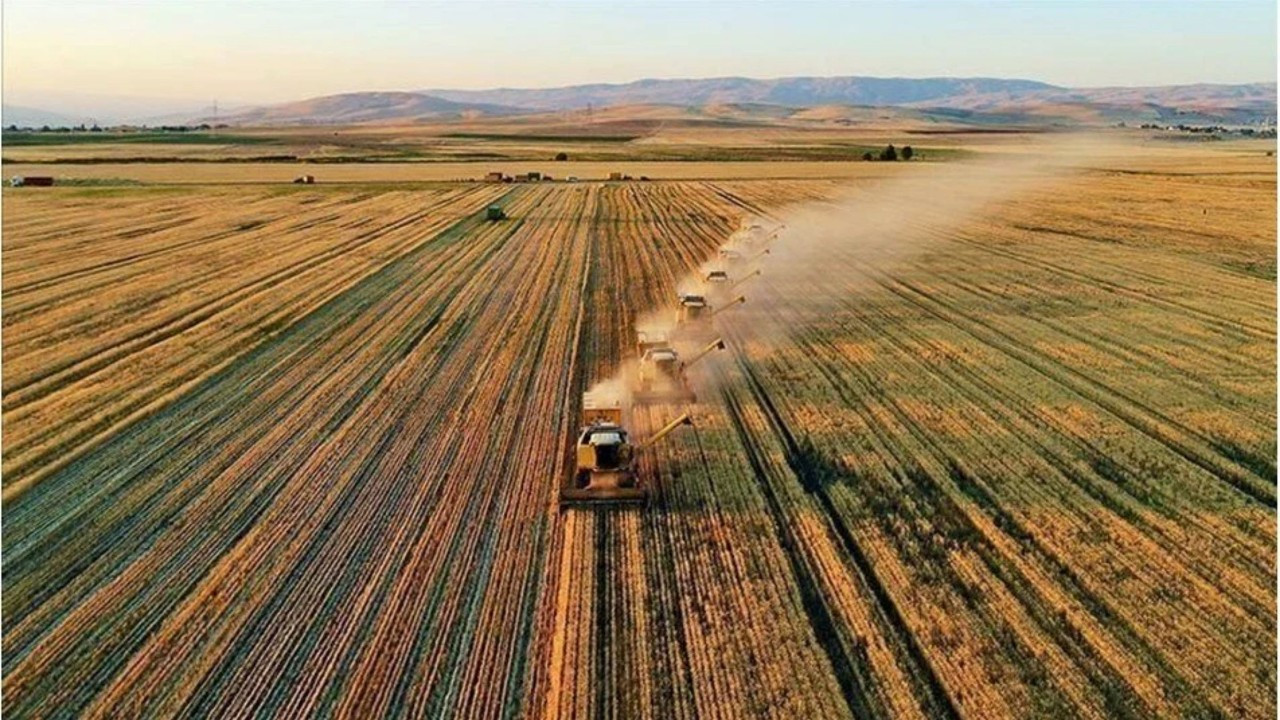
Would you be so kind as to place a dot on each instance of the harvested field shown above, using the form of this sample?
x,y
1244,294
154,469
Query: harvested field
x,y
186,173
295,452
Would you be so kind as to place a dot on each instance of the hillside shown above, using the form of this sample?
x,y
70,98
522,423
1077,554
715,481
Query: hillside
x,y
23,116
981,101
363,107
795,91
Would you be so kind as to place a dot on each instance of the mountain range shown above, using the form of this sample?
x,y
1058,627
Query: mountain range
x,y
959,99
792,92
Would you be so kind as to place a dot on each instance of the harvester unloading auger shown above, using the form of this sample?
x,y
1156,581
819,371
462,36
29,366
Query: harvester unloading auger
x,y
604,471
741,280
662,377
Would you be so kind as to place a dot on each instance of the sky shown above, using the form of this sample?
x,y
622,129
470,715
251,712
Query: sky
x,y
262,51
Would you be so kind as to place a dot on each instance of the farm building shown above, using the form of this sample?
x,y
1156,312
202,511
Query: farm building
x,y
32,180
615,176
495,177
305,180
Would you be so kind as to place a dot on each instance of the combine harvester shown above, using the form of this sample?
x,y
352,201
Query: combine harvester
x,y
662,376
718,290
605,471
733,256
693,315
755,235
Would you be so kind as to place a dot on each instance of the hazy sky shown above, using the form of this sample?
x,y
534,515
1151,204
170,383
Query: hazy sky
x,y
241,51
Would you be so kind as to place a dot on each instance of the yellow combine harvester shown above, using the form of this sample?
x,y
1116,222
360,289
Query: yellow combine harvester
x,y
693,315
734,256
662,375
604,471
719,291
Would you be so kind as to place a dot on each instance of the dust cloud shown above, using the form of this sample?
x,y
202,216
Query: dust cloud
x,y
822,253
808,259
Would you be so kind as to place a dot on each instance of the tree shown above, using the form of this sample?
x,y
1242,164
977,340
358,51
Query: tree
x,y
889,153
561,156
866,156
907,152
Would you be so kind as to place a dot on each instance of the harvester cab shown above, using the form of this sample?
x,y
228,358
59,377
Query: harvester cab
x,y
693,310
717,276
650,340
604,471
730,254
494,213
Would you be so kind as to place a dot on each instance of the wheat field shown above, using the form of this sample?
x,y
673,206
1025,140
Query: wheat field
x,y
294,451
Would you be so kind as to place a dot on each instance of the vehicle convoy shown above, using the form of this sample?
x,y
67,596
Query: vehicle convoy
x,y
662,376
605,459
604,469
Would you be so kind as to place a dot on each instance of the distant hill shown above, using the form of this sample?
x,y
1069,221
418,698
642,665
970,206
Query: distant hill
x,y
35,117
794,92
984,101
1171,103
362,107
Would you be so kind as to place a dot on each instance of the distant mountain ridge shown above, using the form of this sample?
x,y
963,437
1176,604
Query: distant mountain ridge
x,y
963,100
992,97
791,91
23,116
360,107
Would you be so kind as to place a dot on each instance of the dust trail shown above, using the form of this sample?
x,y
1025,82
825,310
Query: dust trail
x,y
818,252
822,250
